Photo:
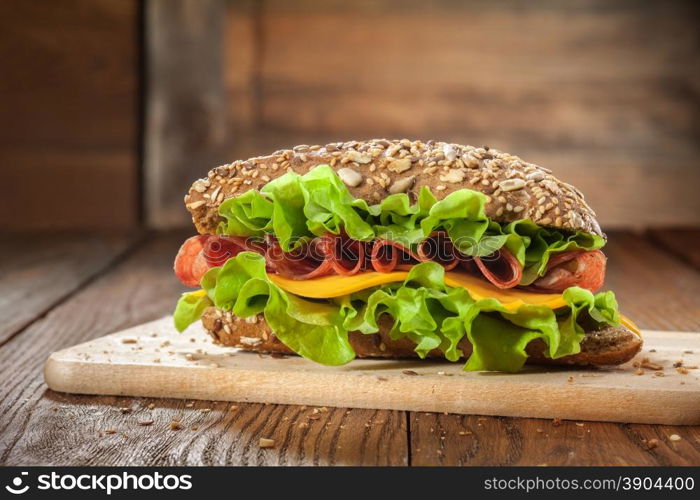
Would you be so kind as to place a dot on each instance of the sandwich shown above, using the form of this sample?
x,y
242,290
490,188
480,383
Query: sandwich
x,y
396,249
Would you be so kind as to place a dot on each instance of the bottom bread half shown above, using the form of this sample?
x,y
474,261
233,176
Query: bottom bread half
x,y
609,346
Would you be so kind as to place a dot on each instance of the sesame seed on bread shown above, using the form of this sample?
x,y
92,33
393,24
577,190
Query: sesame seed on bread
x,y
376,168
608,346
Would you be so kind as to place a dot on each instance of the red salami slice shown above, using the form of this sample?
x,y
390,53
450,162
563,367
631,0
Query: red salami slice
x,y
501,268
304,263
339,254
190,262
347,256
577,268
438,248
388,256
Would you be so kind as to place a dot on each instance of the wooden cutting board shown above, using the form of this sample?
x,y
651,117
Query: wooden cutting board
x,y
154,360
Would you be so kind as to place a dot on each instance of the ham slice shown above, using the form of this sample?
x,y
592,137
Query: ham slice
x,y
200,253
578,268
190,262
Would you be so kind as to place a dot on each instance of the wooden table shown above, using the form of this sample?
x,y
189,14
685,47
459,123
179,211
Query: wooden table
x,y
56,291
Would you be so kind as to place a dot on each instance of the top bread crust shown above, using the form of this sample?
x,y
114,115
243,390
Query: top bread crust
x,y
374,169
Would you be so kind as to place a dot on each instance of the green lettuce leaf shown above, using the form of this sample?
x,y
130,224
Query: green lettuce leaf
x,y
423,309
298,207
190,308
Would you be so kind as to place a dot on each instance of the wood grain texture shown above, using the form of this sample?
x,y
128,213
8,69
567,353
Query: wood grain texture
x,y
100,432
683,243
39,426
603,93
39,270
69,108
140,289
154,360
185,115
438,439
654,288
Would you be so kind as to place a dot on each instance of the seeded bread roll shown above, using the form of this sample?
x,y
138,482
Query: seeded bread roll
x,y
376,168
609,346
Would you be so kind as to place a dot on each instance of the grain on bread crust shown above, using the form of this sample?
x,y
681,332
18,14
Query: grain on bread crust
x,y
609,346
375,168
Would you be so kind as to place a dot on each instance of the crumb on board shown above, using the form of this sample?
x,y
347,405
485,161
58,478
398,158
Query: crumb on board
x,y
205,410
465,433
303,425
189,405
233,407
651,444
110,431
648,364
175,425
266,443
125,410
129,340
146,423
409,372
674,437
556,422
151,406
570,379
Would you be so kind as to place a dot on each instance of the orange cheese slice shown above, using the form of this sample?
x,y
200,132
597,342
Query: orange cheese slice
x,y
630,324
337,286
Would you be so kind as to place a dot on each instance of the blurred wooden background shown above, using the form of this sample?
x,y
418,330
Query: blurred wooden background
x,y
69,114
606,93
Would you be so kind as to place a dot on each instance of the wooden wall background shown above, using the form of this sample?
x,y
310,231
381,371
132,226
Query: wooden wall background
x,y
605,92
69,115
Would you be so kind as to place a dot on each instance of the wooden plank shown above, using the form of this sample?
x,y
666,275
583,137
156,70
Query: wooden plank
x,y
39,270
36,423
683,243
211,434
69,105
134,362
654,289
185,121
566,85
438,439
